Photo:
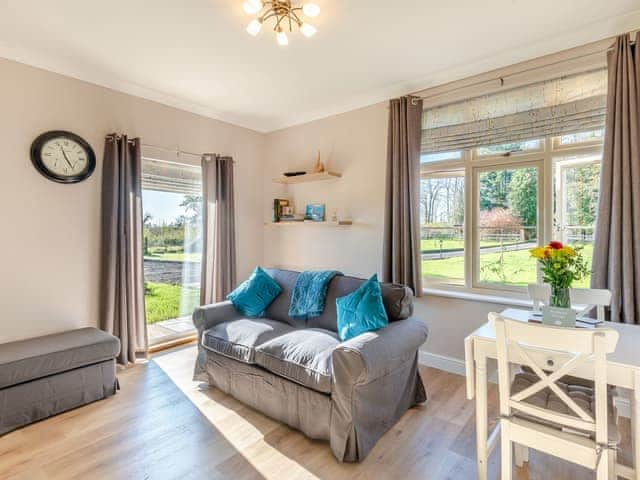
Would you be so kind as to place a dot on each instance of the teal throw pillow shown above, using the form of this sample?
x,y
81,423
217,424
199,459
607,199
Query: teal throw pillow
x,y
254,295
361,311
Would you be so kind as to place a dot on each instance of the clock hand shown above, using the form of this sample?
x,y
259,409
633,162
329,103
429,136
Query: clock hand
x,y
64,154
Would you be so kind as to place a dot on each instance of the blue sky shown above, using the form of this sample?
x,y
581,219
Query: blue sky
x,y
163,206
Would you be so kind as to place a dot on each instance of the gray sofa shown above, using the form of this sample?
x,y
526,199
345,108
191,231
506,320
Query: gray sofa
x,y
298,372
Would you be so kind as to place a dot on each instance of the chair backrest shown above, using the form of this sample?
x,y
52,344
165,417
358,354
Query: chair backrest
x,y
535,346
589,298
539,293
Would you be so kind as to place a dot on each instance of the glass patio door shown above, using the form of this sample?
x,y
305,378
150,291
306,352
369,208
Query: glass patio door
x,y
172,206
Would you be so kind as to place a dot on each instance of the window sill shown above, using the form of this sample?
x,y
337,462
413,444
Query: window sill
x,y
478,295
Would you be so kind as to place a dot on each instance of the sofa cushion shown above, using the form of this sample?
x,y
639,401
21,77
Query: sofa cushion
x,y
252,297
279,308
303,356
361,311
239,338
397,299
40,357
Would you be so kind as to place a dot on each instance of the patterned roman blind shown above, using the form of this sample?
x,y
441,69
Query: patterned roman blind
x,y
571,104
171,177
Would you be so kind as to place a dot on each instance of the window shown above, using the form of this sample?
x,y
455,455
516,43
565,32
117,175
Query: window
x,y
516,202
172,236
506,224
442,226
504,172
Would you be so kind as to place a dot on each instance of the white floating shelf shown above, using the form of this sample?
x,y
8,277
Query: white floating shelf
x,y
308,177
314,224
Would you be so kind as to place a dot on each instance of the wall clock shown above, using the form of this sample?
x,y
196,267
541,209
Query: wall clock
x,y
63,157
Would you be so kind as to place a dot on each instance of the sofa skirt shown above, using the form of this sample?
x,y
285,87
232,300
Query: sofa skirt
x,y
352,418
35,400
297,406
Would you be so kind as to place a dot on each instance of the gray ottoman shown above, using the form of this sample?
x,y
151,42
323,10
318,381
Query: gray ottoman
x,y
44,376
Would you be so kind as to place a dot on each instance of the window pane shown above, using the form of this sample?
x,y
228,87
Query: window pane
x,y
442,227
437,157
577,183
172,253
510,147
574,138
507,225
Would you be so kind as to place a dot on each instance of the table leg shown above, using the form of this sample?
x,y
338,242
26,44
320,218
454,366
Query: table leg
x,y
482,420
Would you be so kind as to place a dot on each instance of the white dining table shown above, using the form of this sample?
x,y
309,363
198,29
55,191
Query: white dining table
x,y
623,370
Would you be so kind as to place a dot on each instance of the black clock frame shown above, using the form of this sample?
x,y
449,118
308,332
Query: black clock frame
x,y
36,158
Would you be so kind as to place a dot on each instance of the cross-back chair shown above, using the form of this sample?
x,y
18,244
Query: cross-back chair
x,y
538,411
590,298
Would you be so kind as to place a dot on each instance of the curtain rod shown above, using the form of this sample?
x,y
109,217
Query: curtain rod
x,y
165,149
501,79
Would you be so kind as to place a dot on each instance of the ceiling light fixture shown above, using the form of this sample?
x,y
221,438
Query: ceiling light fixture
x,y
284,15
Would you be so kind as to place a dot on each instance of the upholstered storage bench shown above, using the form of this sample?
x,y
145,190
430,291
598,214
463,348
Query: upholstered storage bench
x,y
41,377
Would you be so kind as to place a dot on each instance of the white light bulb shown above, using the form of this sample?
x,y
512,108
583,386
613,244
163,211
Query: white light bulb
x,y
308,30
311,10
282,39
252,6
254,27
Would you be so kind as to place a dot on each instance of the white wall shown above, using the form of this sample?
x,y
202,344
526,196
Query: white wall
x,y
50,233
353,143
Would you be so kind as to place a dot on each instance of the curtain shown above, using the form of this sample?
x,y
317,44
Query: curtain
x,y
218,233
122,302
616,256
401,261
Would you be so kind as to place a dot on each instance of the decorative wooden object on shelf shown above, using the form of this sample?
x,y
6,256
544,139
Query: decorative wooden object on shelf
x,y
309,177
319,168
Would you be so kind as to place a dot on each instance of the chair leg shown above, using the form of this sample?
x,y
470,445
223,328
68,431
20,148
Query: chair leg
x,y
613,460
602,469
521,454
506,450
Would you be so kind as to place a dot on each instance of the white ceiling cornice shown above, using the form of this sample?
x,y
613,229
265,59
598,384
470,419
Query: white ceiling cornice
x,y
277,120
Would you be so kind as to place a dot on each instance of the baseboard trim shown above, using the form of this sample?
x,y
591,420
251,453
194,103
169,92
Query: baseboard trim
x,y
441,362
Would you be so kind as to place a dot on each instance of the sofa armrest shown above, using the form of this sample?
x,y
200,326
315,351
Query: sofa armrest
x,y
204,318
208,316
372,355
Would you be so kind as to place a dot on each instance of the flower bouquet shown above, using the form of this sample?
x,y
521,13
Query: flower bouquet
x,y
561,265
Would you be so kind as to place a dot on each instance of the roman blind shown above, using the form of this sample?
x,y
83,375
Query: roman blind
x,y
171,177
571,104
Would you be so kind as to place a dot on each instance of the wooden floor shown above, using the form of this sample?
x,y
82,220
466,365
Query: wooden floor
x,y
161,425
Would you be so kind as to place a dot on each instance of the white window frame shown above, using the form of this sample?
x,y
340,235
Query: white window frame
x,y
473,163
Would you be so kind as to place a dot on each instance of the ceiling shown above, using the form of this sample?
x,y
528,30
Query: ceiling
x,y
196,55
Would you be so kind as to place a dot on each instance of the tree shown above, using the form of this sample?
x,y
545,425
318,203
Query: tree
x,y
192,205
582,198
522,196
494,186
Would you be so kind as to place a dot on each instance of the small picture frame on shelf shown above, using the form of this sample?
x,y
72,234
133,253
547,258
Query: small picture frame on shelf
x,y
315,212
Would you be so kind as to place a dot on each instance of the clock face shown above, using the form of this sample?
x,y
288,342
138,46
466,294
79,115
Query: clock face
x,y
63,157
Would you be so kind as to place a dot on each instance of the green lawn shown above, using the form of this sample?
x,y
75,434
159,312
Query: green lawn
x,y
519,268
164,301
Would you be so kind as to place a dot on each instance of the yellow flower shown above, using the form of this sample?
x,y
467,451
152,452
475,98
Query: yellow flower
x,y
557,266
568,251
539,252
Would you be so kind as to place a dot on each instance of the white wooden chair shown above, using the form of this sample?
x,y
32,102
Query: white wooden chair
x,y
539,293
567,423
590,298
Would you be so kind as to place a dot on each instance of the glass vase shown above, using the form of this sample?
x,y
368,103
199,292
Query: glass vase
x,y
560,297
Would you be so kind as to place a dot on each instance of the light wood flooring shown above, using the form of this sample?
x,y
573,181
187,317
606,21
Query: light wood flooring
x,y
161,425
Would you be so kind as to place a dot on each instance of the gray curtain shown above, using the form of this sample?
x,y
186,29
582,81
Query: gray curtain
x,y
401,250
219,229
616,256
122,289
